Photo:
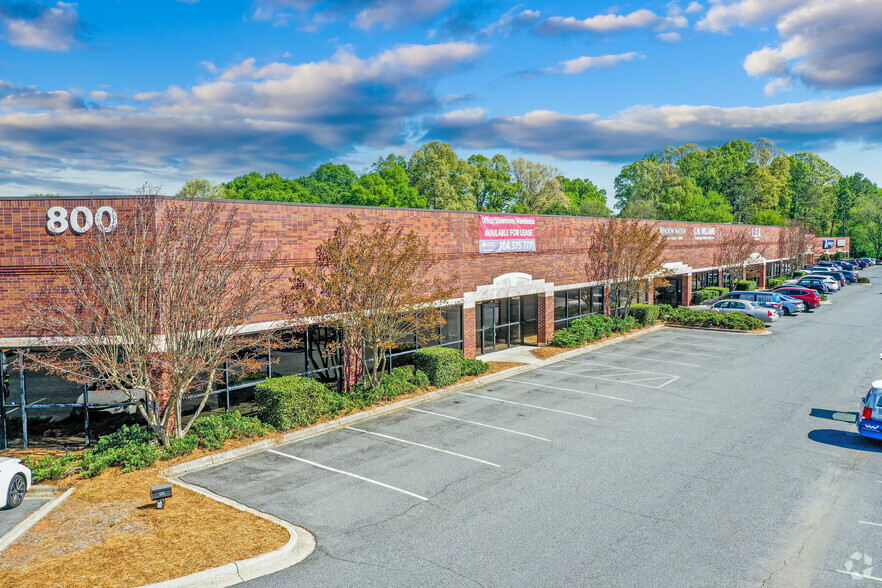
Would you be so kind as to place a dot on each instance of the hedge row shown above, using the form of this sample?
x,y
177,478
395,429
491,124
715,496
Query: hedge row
x,y
745,285
703,318
707,293
134,447
592,328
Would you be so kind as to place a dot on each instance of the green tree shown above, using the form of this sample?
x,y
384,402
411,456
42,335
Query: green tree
x,y
868,233
539,191
683,200
494,191
813,184
389,187
586,199
330,183
201,188
442,178
271,187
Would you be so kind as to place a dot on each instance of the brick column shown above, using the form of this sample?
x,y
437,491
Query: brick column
x,y
761,279
606,301
650,296
546,318
686,280
720,277
469,344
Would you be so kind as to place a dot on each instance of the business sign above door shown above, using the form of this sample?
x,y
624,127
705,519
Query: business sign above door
x,y
506,233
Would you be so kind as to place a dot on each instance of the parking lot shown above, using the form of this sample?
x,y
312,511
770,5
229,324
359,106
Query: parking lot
x,y
683,457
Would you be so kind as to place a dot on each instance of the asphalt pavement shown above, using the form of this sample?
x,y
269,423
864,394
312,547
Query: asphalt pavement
x,y
10,517
680,458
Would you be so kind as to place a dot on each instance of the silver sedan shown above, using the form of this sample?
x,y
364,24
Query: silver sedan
x,y
764,314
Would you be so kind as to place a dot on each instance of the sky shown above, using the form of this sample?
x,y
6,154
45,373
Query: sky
x,y
99,97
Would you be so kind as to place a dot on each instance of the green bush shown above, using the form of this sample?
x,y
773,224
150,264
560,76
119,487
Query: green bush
x,y
180,447
212,431
799,274
290,401
53,467
704,318
863,280
602,325
702,295
583,331
130,447
822,296
443,365
474,367
775,282
748,285
720,290
565,338
664,311
624,325
645,314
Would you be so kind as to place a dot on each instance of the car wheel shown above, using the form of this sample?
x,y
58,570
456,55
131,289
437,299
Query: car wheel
x,y
786,311
18,486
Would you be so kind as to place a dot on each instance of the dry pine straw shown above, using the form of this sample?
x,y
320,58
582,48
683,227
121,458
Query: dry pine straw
x,y
108,533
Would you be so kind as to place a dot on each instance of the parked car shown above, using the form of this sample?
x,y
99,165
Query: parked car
x,y
837,275
791,306
824,284
766,299
869,422
767,315
15,481
868,260
807,295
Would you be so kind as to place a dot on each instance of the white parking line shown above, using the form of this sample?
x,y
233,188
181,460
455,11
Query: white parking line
x,y
680,352
424,446
859,576
636,357
453,418
701,337
705,345
529,405
350,474
633,375
869,523
567,389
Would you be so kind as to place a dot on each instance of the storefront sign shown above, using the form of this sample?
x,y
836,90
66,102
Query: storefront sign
x,y
704,233
672,233
757,233
80,220
505,233
828,243
840,242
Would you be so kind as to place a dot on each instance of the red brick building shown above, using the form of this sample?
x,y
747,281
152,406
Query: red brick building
x,y
505,298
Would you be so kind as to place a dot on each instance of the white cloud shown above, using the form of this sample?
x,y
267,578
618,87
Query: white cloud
x,y
511,22
642,129
602,23
694,7
825,44
39,27
581,64
723,15
387,13
671,37
778,85
398,13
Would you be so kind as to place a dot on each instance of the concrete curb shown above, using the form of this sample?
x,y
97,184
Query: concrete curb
x,y
43,491
300,544
34,518
339,423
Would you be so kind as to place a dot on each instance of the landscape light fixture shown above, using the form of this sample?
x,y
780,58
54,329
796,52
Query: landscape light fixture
x,y
160,494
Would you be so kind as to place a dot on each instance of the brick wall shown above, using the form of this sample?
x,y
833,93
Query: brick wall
x,y
27,248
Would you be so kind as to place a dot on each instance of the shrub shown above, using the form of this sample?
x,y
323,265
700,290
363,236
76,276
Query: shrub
x,y
702,295
401,380
703,318
645,314
863,280
720,290
290,401
799,274
565,338
665,310
212,431
624,325
52,467
822,296
474,367
130,447
443,365
179,447
602,325
748,285
583,331
775,282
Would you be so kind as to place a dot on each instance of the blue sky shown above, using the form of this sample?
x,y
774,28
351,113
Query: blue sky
x,y
98,97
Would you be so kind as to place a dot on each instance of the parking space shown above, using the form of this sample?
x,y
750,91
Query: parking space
x,y
680,445
9,518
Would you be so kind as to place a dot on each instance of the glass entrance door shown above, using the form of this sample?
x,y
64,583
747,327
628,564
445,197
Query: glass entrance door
x,y
506,322
671,294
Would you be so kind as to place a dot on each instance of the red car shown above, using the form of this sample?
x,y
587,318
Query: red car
x,y
807,295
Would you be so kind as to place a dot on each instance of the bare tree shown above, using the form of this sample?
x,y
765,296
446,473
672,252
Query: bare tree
x,y
627,254
734,248
155,307
374,287
793,244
